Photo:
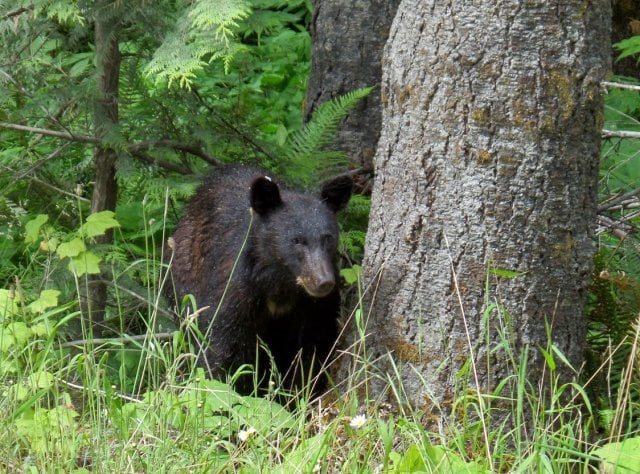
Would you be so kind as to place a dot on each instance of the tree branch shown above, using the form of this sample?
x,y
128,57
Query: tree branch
x,y
52,133
621,85
134,148
619,134
191,149
17,12
615,200
142,156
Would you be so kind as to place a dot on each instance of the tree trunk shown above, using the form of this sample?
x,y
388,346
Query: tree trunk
x,y
488,158
105,190
348,38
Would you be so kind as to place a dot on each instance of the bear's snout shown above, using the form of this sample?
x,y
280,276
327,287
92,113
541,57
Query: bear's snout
x,y
317,289
318,275
325,287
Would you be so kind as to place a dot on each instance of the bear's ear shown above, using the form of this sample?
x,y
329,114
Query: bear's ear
x,y
265,195
336,193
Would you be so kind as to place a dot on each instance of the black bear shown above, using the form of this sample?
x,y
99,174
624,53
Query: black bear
x,y
263,258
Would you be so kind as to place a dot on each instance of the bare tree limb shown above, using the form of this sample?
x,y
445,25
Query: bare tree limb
x,y
133,148
621,85
52,133
616,227
48,185
191,149
142,156
619,134
17,12
614,200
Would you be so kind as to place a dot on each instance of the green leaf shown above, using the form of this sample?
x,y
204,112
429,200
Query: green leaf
x,y
628,46
622,457
264,415
19,392
40,380
411,461
307,454
305,146
98,223
351,274
32,228
548,357
41,329
86,262
502,272
8,303
71,249
20,331
48,299
7,341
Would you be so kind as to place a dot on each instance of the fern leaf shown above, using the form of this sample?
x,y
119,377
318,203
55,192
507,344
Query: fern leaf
x,y
304,149
205,33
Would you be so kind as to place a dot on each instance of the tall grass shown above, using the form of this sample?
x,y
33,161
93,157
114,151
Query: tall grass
x,y
139,404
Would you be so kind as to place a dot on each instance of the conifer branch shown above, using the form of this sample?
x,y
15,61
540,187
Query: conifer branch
x,y
51,133
135,148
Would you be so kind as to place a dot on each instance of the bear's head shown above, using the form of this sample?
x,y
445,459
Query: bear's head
x,y
300,230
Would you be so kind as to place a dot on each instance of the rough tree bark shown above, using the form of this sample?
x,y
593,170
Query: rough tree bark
x,y
348,39
105,190
488,158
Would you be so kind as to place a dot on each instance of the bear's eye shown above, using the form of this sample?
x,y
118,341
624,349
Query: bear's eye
x,y
328,240
299,241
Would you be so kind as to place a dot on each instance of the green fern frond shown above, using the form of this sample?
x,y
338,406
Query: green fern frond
x,y
205,33
221,16
304,149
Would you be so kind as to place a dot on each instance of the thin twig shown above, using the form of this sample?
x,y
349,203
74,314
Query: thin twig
x,y
618,228
613,201
137,296
621,85
619,134
48,185
161,336
191,149
17,12
167,165
133,148
99,391
51,133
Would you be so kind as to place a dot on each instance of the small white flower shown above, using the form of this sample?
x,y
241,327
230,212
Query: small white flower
x,y
317,468
358,421
244,435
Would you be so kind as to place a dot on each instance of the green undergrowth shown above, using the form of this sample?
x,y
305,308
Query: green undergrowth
x,y
137,403
62,410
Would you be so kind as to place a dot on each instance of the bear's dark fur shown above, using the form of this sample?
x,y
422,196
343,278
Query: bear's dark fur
x,y
283,290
